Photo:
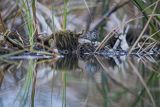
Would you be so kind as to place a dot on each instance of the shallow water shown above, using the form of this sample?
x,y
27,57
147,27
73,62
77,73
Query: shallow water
x,y
79,82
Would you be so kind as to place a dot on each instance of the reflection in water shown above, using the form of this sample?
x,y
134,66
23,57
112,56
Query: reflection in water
x,y
69,62
78,82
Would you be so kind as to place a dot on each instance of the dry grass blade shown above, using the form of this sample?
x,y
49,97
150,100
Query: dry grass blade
x,y
44,10
150,37
149,47
90,16
2,26
145,27
143,82
87,8
110,34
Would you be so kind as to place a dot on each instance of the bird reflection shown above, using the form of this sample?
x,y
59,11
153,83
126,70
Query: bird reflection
x,y
69,62
92,66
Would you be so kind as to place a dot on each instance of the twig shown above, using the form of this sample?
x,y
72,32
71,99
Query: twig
x,y
108,14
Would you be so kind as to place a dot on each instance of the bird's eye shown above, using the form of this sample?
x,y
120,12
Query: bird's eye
x,y
94,34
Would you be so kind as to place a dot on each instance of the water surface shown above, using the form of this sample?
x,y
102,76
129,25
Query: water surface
x,y
79,82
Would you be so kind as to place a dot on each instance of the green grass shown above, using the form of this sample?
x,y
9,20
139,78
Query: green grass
x,y
147,9
29,15
145,27
65,14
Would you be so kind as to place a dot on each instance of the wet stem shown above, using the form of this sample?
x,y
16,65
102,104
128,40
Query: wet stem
x,y
64,79
65,14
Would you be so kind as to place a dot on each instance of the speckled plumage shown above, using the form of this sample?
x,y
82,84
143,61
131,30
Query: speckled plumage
x,y
92,35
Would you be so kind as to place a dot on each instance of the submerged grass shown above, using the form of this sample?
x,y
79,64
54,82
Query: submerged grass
x,y
143,82
24,95
64,81
138,99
